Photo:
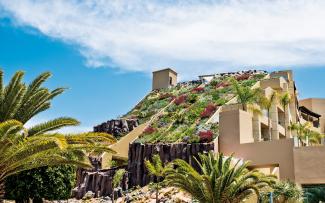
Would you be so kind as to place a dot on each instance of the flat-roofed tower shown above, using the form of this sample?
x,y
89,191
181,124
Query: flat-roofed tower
x,y
164,78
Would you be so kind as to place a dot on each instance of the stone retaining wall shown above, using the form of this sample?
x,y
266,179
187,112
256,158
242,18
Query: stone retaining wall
x,y
138,174
98,182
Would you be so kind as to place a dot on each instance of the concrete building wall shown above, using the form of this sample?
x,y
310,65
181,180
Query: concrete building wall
x,y
236,138
309,165
164,79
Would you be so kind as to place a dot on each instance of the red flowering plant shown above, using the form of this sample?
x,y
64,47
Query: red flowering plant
x,y
180,99
244,76
208,111
149,130
222,85
198,90
206,136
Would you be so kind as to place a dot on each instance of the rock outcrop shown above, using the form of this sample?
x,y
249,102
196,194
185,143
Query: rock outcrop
x,y
117,127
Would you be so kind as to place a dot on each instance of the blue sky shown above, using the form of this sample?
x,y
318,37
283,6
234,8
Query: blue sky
x,y
94,94
105,51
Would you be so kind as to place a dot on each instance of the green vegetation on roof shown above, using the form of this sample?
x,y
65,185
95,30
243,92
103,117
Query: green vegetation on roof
x,y
188,108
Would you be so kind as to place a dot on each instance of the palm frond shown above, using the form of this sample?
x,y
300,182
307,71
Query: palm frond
x,y
220,179
51,125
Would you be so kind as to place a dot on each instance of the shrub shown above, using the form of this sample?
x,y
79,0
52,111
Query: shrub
x,y
259,76
248,83
221,101
51,183
208,111
206,136
214,82
180,100
192,98
149,130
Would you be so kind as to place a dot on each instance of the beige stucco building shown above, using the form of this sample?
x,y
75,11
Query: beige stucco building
x,y
263,138
246,134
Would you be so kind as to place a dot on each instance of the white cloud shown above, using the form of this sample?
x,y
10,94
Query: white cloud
x,y
195,37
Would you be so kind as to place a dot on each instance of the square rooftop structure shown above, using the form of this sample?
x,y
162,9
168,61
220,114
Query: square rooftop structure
x,y
164,78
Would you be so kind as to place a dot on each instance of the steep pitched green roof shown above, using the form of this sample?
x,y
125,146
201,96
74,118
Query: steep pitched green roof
x,y
186,108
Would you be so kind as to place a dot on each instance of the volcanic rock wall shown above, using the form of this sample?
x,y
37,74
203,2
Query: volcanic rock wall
x,y
138,174
98,182
118,127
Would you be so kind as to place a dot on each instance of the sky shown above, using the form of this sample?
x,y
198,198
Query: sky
x,y
105,51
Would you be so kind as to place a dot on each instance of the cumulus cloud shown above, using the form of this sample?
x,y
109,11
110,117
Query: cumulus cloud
x,y
194,36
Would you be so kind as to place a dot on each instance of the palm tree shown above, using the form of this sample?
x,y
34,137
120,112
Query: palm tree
x,y
117,178
300,130
245,95
285,100
304,133
21,102
156,168
285,192
20,152
267,103
23,149
220,179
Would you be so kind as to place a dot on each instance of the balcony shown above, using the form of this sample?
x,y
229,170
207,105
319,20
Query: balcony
x,y
307,115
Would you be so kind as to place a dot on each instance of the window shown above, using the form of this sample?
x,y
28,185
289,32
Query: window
x,y
170,81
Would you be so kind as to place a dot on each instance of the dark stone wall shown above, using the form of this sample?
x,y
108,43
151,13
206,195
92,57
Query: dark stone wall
x,y
118,127
138,174
99,182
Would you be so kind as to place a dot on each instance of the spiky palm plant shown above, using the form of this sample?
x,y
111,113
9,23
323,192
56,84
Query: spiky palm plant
x,y
220,179
156,168
20,152
23,149
284,191
21,102
245,95
266,103
285,100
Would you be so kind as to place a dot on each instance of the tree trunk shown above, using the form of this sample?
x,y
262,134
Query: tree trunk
x,y
285,120
157,193
244,107
269,124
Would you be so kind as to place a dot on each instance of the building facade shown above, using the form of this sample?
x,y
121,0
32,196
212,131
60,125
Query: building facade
x,y
246,134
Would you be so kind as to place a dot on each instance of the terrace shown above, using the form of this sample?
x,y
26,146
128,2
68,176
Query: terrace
x,y
309,116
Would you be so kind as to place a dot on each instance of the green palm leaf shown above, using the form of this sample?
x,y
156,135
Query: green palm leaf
x,y
220,179
51,125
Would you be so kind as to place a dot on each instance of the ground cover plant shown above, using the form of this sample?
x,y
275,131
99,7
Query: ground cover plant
x,y
155,101
185,119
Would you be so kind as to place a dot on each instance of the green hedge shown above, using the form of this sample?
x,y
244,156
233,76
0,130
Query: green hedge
x,y
51,183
